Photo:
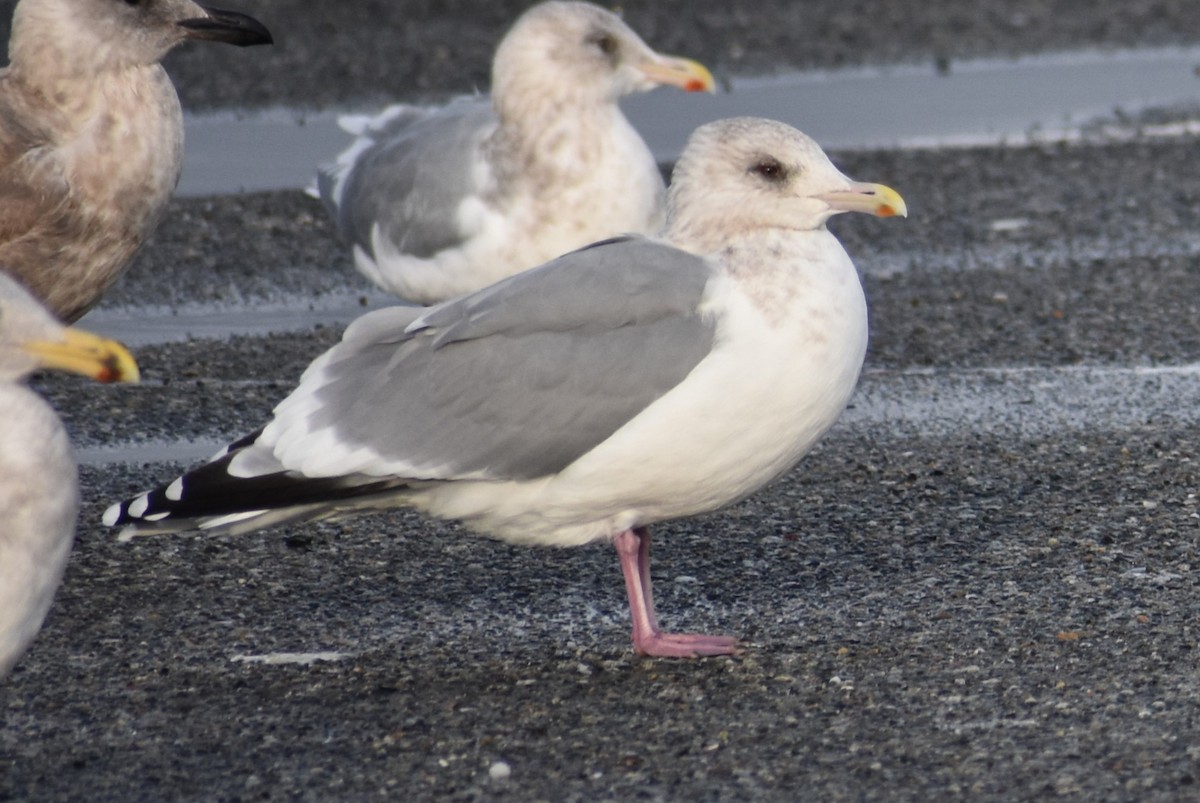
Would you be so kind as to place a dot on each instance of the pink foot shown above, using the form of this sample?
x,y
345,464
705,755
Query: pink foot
x,y
683,645
633,547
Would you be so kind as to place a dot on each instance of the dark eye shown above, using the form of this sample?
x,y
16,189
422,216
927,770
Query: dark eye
x,y
133,2
607,43
770,169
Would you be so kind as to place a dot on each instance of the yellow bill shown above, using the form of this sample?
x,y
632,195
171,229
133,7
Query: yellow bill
x,y
81,352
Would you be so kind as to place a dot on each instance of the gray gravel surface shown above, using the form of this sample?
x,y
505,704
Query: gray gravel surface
x,y
327,54
979,586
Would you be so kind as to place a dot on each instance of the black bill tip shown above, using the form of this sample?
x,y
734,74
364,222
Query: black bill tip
x,y
229,27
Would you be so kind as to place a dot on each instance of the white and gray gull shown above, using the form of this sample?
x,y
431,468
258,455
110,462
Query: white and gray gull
x,y
39,489
91,136
437,202
633,381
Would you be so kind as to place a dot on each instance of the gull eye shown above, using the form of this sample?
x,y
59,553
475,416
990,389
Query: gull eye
x,y
605,42
770,169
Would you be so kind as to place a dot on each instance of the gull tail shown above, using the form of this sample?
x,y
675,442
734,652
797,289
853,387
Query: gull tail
x,y
221,496
368,131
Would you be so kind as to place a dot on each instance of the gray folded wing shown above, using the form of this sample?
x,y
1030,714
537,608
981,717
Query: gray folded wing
x,y
411,180
516,381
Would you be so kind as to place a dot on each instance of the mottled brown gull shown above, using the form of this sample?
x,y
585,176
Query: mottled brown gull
x,y
91,136
436,202
634,381
39,493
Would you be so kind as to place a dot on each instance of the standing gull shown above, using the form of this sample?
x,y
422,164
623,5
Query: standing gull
x,y
437,202
39,490
630,382
91,136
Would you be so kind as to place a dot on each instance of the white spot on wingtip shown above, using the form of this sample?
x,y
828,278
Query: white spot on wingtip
x,y
175,490
138,507
158,516
112,515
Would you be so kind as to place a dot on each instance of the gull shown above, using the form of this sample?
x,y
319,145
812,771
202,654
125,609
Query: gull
x,y
437,202
39,488
631,382
91,136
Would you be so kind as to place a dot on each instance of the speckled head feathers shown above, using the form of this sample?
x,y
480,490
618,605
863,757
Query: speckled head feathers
x,y
82,36
583,52
752,173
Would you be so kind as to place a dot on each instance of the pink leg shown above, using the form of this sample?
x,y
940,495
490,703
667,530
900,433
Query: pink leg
x,y
633,547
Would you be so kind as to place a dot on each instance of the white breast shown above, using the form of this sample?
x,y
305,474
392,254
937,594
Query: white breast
x,y
782,369
39,498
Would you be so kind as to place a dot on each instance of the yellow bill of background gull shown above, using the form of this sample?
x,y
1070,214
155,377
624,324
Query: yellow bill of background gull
x,y
91,136
436,202
631,382
39,489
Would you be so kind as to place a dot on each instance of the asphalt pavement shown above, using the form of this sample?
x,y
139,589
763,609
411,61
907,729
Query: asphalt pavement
x,y
979,586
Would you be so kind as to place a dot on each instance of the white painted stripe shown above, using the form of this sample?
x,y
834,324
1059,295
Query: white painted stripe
x,y
1027,400
1049,97
285,658
157,451
148,325
1024,401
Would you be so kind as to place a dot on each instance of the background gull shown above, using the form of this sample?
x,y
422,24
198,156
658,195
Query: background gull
x,y
39,493
436,202
634,381
91,136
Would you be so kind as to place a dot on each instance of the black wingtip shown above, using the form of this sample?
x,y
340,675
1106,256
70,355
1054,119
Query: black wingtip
x,y
229,27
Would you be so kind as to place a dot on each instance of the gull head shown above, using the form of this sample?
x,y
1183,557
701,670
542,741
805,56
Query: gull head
x,y
582,53
94,36
747,173
31,339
